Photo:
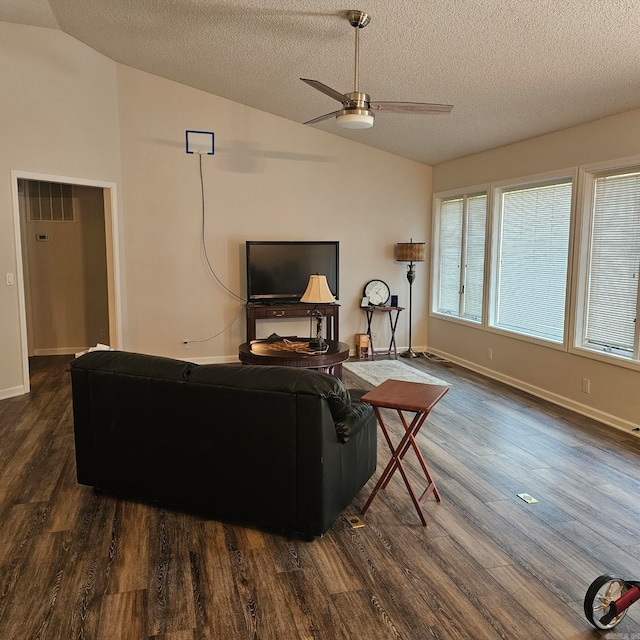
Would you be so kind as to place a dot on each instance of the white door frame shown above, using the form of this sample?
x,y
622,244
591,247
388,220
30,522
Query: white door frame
x,y
113,241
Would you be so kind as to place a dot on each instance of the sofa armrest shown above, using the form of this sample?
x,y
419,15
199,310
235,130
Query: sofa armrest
x,y
359,412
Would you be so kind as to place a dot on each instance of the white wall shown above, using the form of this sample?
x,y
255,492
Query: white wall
x,y
547,372
58,116
67,110
270,179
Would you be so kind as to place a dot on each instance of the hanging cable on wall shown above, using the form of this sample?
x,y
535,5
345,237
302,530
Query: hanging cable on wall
x,y
215,335
204,240
201,143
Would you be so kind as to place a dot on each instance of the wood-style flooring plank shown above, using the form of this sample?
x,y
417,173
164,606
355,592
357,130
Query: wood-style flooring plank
x,y
87,566
522,549
364,616
467,535
86,572
582,504
11,443
129,555
219,606
540,603
32,608
314,611
170,574
492,607
120,616
174,635
412,594
10,410
333,567
67,498
18,533
273,618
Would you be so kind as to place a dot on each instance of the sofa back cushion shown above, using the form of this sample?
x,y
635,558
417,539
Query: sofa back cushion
x,y
290,380
280,379
135,364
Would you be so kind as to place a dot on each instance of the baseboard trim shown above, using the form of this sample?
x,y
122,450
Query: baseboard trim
x,y
601,416
59,351
12,392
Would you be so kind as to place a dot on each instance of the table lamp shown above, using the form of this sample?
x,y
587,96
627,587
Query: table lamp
x,y
410,252
317,292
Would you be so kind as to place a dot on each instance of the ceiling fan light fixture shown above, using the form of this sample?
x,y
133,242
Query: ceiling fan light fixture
x,y
357,107
362,120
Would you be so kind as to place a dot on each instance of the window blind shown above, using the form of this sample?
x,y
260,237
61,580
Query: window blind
x,y
614,260
533,251
450,252
474,262
461,256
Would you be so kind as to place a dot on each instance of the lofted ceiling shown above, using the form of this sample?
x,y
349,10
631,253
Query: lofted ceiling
x,y
513,70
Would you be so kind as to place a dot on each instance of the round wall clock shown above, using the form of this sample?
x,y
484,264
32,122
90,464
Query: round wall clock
x,y
377,291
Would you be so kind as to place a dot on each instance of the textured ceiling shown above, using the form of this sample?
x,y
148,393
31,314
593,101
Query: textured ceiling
x,y
513,70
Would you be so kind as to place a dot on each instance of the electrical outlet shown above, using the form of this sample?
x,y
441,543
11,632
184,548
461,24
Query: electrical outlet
x,y
185,345
490,353
586,385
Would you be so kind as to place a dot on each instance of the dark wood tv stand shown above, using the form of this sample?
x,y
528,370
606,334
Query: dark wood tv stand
x,y
260,311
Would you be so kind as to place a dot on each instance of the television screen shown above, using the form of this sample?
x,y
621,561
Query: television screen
x,y
279,271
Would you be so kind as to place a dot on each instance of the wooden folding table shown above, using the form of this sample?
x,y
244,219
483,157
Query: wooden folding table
x,y
405,397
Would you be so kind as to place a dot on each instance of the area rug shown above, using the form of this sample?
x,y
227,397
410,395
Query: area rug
x,y
378,371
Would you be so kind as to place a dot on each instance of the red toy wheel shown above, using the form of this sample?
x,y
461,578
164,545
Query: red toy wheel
x,y
601,593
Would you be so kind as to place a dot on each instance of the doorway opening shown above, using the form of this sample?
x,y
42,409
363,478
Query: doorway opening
x,y
67,267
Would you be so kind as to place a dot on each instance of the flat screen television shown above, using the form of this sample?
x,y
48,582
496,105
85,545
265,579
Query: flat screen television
x,y
279,271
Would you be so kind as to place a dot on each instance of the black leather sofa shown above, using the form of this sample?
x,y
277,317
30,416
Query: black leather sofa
x,y
274,447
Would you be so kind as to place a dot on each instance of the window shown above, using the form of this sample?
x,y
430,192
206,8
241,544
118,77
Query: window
x,y
532,251
461,224
531,291
610,264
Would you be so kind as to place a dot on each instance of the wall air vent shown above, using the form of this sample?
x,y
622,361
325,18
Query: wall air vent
x,y
50,201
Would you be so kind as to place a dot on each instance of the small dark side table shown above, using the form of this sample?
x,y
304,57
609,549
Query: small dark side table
x,y
393,323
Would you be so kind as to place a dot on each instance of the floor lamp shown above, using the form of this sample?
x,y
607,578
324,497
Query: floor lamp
x,y
410,252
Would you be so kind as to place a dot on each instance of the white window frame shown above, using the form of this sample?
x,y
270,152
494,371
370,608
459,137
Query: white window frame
x,y
497,189
587,176
438,199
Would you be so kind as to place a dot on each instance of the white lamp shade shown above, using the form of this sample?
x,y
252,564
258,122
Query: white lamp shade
x,y
317,291
355,120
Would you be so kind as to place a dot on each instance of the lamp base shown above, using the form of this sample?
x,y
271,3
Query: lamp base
x,y
410,353
317,344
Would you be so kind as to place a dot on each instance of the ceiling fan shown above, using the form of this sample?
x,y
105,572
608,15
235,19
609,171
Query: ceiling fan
x,y
357,109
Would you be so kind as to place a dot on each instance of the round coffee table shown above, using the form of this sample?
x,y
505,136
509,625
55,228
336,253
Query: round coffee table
x,y
295,352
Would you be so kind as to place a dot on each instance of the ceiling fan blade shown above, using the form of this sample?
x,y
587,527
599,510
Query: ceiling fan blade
x,y
326,116
328,91
411,107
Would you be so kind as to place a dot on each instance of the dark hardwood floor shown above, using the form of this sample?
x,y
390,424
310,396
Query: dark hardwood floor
x,y
76,565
